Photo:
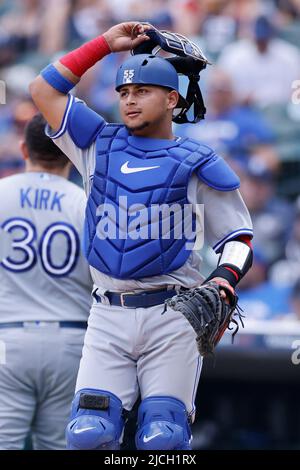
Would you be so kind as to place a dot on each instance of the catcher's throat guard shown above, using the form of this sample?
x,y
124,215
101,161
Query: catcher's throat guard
x,y
188,60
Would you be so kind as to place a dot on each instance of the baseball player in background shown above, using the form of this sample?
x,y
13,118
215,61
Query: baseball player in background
x,y
45,288
133,346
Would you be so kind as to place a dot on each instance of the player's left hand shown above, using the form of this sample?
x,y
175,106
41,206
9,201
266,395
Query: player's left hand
x,y
228,292
126,36
208,310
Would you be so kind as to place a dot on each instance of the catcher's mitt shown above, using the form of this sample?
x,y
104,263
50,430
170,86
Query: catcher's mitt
x,y
207,312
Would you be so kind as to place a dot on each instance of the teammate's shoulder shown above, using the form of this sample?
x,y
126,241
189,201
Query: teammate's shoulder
x,y
73,188
74,198
12,180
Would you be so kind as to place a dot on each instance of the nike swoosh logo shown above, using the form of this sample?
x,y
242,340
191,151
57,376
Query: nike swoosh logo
x,y
147,439
126,170
78,431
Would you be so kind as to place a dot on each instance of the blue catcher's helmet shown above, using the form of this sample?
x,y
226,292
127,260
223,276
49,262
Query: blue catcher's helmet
x,y
149,69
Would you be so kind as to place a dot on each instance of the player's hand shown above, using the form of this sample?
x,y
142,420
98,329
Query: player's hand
x,y
126,36
227,292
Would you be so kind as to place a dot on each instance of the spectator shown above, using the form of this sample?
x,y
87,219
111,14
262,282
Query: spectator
x,y
262,68
288,20
272,216
287,269
260,298
295,301
293,314
98,86
188,16
219,27
293,244
230,128
20,29
11,161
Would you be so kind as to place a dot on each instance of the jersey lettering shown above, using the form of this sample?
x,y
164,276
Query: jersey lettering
x,y
43,199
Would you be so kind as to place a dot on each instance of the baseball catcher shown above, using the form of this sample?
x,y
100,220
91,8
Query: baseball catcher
x,y
209,309
130,348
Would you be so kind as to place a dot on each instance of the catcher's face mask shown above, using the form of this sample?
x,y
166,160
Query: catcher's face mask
x,y
188,60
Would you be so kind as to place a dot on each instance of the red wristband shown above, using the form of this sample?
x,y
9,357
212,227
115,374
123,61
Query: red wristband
x,y
83,58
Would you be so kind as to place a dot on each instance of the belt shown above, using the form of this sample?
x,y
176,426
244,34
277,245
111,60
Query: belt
x,y
138,299
62,324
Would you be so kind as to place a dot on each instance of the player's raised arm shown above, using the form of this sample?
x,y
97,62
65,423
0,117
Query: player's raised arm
x,y
49,92
50,89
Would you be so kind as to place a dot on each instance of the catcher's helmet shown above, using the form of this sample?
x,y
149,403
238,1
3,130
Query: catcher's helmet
x,y
149,70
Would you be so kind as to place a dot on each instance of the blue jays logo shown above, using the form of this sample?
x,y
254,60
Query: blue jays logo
x,y
128,75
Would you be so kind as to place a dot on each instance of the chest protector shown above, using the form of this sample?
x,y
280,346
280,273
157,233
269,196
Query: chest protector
x,y
135,223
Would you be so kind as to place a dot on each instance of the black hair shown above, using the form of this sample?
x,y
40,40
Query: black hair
x,y
41,149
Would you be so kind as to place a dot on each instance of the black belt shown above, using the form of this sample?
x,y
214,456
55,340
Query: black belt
x,y
137,299
62,324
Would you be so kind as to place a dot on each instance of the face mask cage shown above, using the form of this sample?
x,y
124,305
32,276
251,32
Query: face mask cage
x,y
188,59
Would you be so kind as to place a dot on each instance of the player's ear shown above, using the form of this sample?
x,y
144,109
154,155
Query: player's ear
x,y
24,149
173,97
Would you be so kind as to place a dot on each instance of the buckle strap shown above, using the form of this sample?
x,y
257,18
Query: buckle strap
x,y
141,299
73,324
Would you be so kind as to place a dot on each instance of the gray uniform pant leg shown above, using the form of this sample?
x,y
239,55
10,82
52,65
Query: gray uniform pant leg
x,y
132,351
37,383
17,394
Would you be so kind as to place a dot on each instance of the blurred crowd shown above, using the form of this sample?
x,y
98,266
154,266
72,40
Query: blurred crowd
x,y
251,91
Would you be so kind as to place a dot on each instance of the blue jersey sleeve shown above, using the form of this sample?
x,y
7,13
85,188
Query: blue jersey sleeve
x,y
82,123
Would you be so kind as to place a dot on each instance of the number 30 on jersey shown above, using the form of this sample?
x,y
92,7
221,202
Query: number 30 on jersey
x,y
27,248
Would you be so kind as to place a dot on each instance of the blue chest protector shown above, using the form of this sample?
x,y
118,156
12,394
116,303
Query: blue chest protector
x,y
133,178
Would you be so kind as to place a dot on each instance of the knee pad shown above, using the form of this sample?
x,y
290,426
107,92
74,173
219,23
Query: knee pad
x,y
96,421
163,425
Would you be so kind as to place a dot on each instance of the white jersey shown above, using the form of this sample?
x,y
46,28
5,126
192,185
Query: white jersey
x,y
43,275
225,214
